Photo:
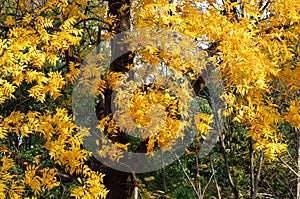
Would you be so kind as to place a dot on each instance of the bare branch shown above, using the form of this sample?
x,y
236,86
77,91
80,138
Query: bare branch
x,y
288,166
261,157
252,180
208,183
187,176
215,178
6,27
224,153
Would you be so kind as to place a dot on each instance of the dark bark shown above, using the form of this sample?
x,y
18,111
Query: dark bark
x,y
252,181
298,178
120,184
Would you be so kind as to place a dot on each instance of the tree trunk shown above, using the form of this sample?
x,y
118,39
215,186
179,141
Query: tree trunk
x,y
298,171
120,184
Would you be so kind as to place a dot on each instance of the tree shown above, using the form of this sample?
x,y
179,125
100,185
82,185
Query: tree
x,y
41,153
45,46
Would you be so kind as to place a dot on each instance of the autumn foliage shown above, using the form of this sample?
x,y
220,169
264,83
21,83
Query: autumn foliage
x,y
254,45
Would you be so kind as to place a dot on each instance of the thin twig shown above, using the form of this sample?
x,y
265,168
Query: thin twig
x,y
252,178
288,166
287,187
198,183
90,19
224,153
208,183
186,175
215,178
6,27
63,188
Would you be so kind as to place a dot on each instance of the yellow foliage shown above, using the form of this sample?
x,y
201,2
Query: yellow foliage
x,y
42,45
32,180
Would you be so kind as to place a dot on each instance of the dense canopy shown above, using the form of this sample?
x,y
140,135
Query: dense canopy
x,y
45,50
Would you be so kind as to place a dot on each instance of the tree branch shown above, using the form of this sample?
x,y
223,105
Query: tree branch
x,y
90,19
288,166
187,176
224,153
252,180
24,163
210,179
215,178
5,27
198,183
261,157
